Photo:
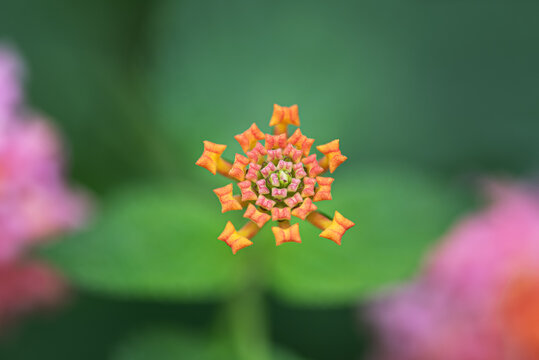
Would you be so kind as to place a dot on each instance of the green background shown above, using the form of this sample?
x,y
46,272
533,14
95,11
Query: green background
x,y
426,97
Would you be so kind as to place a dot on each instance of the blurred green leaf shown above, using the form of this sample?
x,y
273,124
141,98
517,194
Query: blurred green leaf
x,y
161,242
398,214
153,242
172,344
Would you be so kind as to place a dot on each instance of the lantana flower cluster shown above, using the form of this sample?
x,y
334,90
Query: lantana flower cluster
x,y
278,178
478,296
35,202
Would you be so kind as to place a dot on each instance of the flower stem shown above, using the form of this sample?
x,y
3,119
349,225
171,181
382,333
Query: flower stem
x,y
249,230
319,220
248,328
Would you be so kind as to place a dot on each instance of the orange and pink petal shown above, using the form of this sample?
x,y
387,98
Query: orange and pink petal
x,y
233,239
283,235
338,227
226,198
211,156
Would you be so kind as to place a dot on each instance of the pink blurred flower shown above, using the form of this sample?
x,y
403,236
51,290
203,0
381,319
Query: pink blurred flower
x,y
478,296
35,202
26,286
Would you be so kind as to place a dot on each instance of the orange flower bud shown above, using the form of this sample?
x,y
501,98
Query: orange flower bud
x,y
252,173
293,153
304,209
231,237
293,200
301,141
264,202
227,199
211,155
268,169
324,190
308,187
338,227
257,153
280,213
258,217
247,192
238,168
249,137
275,141
276,154
312,165
290,234
283,115
333,155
